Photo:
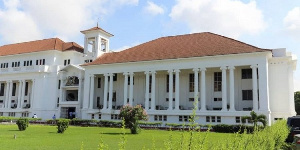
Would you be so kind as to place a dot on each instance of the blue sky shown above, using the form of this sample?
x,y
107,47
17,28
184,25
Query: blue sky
x,y
265,24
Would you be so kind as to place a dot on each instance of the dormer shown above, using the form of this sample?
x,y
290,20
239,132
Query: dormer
x,y
96,42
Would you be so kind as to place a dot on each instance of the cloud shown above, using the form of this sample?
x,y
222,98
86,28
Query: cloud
x,y
31,19
292,22
296,84
153,9
126,47
227,17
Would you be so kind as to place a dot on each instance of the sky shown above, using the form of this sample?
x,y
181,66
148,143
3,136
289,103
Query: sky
x,y
263,23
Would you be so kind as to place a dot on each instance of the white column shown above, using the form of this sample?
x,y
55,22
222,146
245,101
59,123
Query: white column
x,y
61,89
91,104
196,86
125,87
85,45
254,87
131,89
231,85
19,94
170,89
10,94
147,91
79,88
32,92
7,93
105,91
153,90
177,90
110,95
203,90
23,93
224,89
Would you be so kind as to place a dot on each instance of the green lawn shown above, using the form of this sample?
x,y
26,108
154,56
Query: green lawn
x,y
45,138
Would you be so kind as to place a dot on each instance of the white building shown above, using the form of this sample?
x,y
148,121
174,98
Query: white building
x,y
229,78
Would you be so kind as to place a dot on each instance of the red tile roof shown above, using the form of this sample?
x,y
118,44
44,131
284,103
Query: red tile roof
x,y
97,28
181,46
39,45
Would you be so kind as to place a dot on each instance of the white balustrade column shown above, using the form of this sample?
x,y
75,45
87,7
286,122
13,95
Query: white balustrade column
x,y
177,90
224,89
131,89
147,91
196,86
19,94
105,91
10,93
32,92
203,90
125,87
170,89
153,90
7,94
231,85
110,96
91,104
254,87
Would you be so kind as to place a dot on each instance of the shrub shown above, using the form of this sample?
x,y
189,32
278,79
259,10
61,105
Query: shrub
x,y
109,123
83,122
62,125
22,123
132,115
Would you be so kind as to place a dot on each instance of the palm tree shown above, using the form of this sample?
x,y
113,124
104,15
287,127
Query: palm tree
x,y
255,119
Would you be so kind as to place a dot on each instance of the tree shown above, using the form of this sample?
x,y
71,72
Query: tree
x,y
297,102
132,115
256,118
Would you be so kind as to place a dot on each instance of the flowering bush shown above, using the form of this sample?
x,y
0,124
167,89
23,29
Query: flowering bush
x,y
132,115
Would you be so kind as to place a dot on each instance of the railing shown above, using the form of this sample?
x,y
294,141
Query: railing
x,y
39,68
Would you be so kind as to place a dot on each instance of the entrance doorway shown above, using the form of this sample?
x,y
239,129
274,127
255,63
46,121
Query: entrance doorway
x,y
68,112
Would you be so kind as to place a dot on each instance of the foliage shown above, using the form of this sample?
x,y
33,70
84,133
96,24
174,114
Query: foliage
x,y
224,128
110,123
255,119
14,119
22,123
150,124
62,125
82,122
297,102
132,115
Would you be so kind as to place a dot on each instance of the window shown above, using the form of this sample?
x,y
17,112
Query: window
x,y
129,81
218,119
27,63
247,94
2,89
114,98
99,83
115,77
207,119
183,118
173,83
217,99
160,118
191,99
11,114
1,101
40,62
115,117
59,82
192,82
246,73
167,99
150,84
26,114
92,116
217,81
15,64
57,104
26,88
237,119
1,113
66,62
4,65
277,119
88,60
99,116
98,102
213,119
14,89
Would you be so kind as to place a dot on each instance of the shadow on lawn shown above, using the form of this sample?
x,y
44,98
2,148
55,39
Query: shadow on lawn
x,y
14,130
115,133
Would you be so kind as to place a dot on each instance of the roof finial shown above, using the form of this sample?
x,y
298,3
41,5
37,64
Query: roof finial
x,y
97,22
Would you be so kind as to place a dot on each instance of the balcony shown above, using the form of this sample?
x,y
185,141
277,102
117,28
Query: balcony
x,y
25,69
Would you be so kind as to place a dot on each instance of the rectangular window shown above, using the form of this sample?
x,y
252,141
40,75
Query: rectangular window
x,y
99,116
69,61
173,83
237,119
26,88
191,99
192,82
207,119
115,77
65,62
59,84
11,114
247,94
92,116
14,89
57,104
213,119
2,89
1,113
246,73
167,99
150,84
160,118
37,62
217,81
43,62
114,98
98,102
218,119
30,63
217,99
99,83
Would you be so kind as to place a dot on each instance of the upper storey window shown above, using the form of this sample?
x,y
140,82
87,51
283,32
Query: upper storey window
x,y
40,62
4,65
246,73
88,60
66,62
103,45
217,81
15,64
27,63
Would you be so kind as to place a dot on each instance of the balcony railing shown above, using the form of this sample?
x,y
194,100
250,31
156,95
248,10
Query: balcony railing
x,y
40,68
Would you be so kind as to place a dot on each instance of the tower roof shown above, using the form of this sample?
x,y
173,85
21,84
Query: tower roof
x,y
96,29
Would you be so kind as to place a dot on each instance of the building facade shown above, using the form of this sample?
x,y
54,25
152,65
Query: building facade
x,y
225,79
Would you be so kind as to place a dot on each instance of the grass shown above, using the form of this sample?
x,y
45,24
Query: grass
x,y
46,137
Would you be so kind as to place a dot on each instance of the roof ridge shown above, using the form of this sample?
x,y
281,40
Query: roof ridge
x,y
29,41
